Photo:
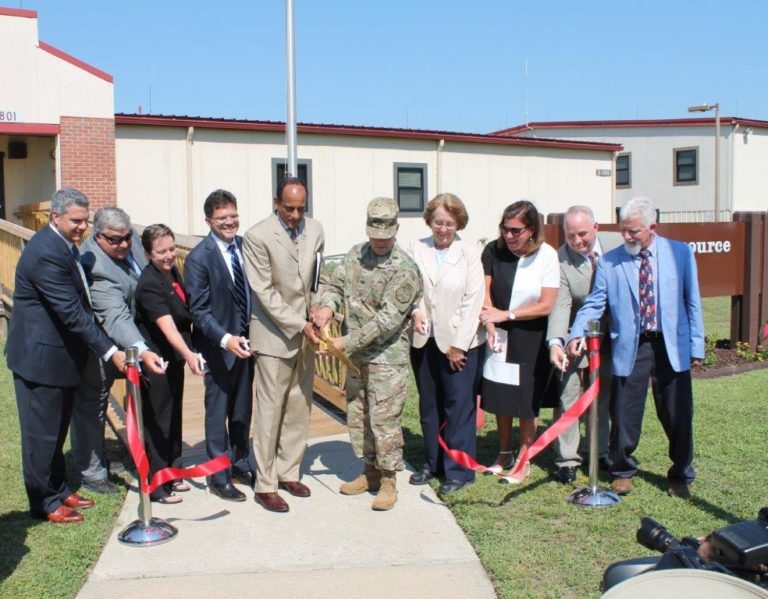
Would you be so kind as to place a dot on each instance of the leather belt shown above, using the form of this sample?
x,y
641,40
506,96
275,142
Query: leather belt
x,y
649,335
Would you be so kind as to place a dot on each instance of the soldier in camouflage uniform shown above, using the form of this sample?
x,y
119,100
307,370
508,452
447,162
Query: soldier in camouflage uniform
x,y
374,288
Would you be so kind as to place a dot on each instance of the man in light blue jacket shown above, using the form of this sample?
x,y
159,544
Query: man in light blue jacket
x,y
651,289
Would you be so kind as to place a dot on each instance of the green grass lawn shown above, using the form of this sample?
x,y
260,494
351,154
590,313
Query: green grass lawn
x,y
717,317
534,544
39,559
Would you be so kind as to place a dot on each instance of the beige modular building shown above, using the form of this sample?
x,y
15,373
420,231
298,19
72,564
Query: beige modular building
x,y
673,161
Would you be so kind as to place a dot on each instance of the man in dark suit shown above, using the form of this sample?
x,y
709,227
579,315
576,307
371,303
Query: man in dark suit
x,y
51,330
220,302
651,290
578,256
113,259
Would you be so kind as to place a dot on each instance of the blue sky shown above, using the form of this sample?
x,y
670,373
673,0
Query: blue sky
x,y
429,64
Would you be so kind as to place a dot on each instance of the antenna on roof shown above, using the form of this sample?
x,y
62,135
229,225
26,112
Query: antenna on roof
x,y
526,91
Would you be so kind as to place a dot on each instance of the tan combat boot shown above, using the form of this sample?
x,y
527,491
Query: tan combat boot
x,y
387,496
369,480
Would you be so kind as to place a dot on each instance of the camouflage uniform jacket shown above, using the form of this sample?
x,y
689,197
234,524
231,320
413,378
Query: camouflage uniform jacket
x,y
375,295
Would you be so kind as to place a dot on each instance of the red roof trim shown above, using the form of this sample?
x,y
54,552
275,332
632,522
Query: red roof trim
x,y
76,61
321,129
695,122
28,129
18,12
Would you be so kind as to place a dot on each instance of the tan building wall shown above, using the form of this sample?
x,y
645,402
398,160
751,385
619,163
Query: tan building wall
x,y
165,173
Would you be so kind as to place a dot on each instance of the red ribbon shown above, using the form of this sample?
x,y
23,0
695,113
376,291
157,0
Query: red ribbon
x,y
568,418
139,454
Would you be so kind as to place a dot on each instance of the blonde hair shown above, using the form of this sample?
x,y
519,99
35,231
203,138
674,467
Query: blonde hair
x,y
452,204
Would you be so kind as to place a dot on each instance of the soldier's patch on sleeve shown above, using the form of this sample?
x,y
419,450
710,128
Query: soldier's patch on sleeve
x,y
404,293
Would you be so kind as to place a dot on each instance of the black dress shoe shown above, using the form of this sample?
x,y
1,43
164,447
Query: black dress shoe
x,y
422,477
604,464
102,487
451,486
244,477
566,474
226,491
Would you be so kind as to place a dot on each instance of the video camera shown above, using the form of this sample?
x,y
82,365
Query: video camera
x,y
737,550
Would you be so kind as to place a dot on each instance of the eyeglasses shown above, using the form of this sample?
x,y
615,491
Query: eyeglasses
x,y
441,224
514,231
219,220
116,239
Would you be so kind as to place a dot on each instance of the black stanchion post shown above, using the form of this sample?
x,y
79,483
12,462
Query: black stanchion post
x,y
146,531
592,495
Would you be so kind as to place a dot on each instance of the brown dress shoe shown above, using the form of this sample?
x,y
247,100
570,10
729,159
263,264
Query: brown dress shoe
x,y
65,515
622,486
271,501
679,488
295,488
76,502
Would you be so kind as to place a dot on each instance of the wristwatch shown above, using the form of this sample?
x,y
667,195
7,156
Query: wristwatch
x,y
511,315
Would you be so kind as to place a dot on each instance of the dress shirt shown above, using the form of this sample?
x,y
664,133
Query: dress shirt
x,y
224,249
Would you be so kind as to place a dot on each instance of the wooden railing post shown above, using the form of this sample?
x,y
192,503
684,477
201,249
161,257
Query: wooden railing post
x,y
748,311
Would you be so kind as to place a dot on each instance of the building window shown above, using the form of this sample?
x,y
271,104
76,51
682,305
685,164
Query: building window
x,y
279,170
686,166
623,171
410,186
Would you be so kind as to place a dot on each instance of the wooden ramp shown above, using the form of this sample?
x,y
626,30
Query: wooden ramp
x,y
325,419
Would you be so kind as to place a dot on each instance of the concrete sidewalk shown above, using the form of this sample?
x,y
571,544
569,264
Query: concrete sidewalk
x,y
328,545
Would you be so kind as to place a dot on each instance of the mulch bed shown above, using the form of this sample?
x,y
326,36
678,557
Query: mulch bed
x,y
727,362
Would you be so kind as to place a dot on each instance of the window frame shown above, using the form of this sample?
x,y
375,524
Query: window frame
x,y
307,163
675,175
628,184
421,166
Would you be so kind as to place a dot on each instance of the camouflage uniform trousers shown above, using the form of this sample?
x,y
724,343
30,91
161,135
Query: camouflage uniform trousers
x,y
375,401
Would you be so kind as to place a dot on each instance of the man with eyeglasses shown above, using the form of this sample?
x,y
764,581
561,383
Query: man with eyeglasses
x,y
220,302
281,253
112,262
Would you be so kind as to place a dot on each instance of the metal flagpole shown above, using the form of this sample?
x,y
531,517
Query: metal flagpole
x,y
145,531
290,66
592,495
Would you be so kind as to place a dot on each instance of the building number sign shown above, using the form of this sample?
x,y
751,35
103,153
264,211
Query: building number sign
x,y
9,116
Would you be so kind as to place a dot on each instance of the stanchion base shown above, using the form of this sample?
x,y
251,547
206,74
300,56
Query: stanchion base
x,y
140,534
600,498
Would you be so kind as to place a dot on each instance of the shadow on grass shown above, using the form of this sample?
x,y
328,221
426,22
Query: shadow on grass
x,y
14,527
705,506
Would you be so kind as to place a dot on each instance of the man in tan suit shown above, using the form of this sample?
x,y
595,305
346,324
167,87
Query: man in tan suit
x,y
578,257
280,254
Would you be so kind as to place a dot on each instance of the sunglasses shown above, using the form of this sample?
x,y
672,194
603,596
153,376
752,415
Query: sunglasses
x,y
116,240
514,231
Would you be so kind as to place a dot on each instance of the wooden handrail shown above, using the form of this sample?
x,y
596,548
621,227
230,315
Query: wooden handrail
x,y
330,373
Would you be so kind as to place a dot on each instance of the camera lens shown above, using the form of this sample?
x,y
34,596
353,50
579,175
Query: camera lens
x,y
655,536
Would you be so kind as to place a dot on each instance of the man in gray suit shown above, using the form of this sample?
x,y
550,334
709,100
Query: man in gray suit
x,y
578,260
280,256
112,260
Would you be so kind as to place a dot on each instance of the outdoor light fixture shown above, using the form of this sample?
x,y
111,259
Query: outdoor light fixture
x,y
716,108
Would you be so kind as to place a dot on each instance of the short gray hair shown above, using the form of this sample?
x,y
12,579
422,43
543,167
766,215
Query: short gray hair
x,y
110,217
65,197
642,207
586,210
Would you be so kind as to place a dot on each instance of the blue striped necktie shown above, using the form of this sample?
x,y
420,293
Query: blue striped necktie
x,y
240,292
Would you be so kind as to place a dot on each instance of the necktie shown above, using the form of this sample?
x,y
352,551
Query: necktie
x,y
240,293
647,300
294,233
133,264
81,272
593,257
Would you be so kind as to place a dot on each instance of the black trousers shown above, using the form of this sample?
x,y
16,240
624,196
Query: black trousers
x,y
44,415
228,409
673,397
446,396
161,401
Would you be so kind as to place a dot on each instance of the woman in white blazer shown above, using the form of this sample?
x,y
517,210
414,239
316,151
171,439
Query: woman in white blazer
x,y
447,340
